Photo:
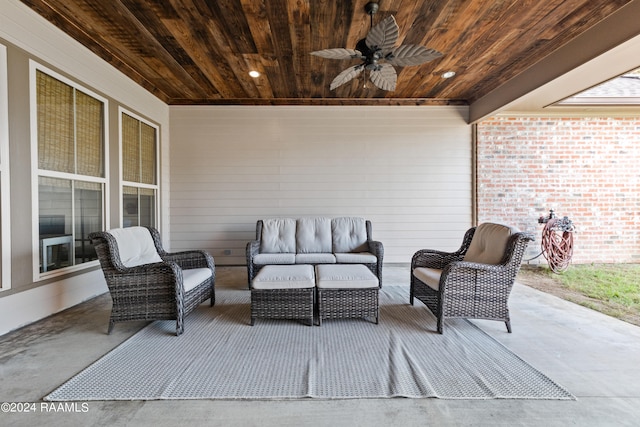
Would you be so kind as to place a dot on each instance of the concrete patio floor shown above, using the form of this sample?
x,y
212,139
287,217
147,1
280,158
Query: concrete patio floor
x,y
595,357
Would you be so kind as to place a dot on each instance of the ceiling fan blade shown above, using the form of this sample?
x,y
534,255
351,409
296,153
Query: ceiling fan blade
x,y
383,36
337,53
412,54
345,76
385,77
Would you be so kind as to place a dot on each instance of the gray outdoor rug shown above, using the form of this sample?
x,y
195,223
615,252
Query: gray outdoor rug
x,y
220,356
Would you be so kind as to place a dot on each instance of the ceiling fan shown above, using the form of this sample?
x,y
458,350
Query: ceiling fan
x,y
378,54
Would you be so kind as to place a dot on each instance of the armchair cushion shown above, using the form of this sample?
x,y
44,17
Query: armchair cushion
x,y
194,276
278,236
349,234
135,246
428,276
489,243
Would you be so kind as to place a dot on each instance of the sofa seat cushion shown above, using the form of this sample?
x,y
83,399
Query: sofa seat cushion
x,y
356,258
349,234
266,259
345,276
313,235
135,246
489,243
284,277
326,258
192,277
278,236
428,276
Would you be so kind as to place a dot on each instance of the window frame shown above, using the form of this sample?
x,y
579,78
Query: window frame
x,y
5,187
36,172
122,182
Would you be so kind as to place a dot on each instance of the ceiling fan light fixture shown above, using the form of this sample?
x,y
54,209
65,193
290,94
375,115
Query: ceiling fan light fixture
x,y
255,74
448,74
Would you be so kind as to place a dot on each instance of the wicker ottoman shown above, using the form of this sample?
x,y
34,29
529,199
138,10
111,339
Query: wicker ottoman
x,y
283,292
346,291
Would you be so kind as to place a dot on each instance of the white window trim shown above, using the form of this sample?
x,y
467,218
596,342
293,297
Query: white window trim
x,y
5,188
36,173
124,183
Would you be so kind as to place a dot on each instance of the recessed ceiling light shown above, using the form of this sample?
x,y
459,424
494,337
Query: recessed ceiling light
x,y
448,74
254,74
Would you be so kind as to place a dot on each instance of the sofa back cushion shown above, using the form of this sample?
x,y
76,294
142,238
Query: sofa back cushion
x,y
135,246
278,236
489,243
349,234
313,235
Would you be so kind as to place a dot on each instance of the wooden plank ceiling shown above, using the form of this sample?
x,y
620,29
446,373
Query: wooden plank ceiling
x,y
200,51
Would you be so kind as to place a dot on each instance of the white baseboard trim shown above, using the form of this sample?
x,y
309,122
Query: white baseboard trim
x,y
26,307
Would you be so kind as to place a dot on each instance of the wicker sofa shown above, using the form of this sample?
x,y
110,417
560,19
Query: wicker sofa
x,y
319,240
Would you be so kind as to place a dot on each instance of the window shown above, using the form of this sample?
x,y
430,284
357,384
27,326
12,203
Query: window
x,y
69,160
139,149
5,223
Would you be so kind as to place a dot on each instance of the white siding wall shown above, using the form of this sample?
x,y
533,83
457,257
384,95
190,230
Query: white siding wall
x,y
407,169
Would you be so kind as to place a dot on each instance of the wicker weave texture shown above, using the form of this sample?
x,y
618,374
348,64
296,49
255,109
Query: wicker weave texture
x,y
282,304
469,290
152,291
348,303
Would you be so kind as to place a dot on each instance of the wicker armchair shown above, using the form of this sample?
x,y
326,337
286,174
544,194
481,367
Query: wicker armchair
x,y
473,282
148,283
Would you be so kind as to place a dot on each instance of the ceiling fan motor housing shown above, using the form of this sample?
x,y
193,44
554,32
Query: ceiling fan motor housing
x,y
370,56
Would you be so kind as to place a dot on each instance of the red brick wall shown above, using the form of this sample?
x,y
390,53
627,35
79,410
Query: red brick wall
x,y
585,168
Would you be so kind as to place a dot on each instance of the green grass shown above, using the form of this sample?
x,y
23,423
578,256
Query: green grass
x,y
614,283
613,289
